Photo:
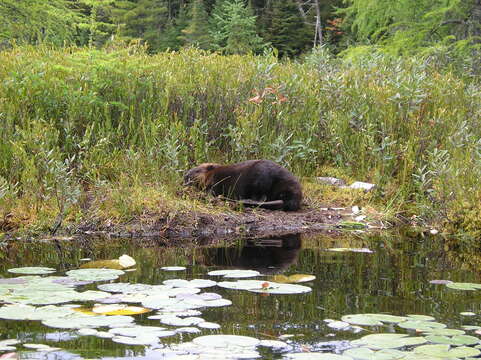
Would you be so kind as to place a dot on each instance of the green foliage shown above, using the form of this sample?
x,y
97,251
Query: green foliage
x,y
284,29
234,28
37,21
99,118
197,32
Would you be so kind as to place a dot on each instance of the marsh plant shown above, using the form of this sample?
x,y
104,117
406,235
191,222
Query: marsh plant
x,y
74,120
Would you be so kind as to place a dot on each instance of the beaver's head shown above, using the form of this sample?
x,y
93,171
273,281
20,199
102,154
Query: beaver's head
x,y
197,176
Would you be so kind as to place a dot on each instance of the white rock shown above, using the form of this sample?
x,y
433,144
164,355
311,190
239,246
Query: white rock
x,y
362,185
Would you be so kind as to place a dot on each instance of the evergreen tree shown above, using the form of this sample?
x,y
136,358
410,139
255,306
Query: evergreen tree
x,y
233,28
146,20
197,32
284,28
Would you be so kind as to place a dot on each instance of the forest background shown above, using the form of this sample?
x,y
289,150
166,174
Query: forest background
x,y
97,96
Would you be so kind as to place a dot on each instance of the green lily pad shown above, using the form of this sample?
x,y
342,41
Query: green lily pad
x,y
361,319
388,341
471,327
388,318
234,273
79,321
457,340
421,325
316,356
444,351
420,317
464,286
444,332
364,353
94,274
32,270
283,289
226,341
467,313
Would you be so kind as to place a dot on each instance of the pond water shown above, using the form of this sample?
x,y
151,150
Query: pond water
x,y
392,278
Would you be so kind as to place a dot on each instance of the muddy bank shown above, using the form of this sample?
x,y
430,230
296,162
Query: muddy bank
x,y
251,222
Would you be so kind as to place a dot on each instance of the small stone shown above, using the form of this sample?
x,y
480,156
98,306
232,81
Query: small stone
x,y
331,181
356,210
433,231
362,185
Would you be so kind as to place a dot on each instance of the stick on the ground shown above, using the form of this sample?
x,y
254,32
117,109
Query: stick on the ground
x,y
274,204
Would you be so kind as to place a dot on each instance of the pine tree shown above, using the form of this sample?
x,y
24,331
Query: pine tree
x,y
197,32
146,20
233,28
284,28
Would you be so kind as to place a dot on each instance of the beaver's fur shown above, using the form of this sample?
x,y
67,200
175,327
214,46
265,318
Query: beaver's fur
x,y
259,180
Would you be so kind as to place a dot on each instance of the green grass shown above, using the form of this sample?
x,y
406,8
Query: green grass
x,y
80,123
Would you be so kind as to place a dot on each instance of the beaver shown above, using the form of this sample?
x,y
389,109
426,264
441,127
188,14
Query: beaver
x,y
262,181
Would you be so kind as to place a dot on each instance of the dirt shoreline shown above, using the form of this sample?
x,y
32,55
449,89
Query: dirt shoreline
x,y
254,223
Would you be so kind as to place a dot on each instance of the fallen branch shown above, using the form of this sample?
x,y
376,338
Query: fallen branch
x,y
273,205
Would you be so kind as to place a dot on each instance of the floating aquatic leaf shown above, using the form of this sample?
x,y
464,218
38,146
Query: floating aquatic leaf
x,y
144,339
173,268
274,344
440,282
247,284
471,327
122,262
125,288
119,310
368,354
464,286
189,330
226,341
87,332
316,356
467,313
457,340
420,317
94,274
387,318
292,279
444,351
421,325
27,312
234,273
361,319
444,332
208,325
84,321
32,270
134,331
388,341
283,289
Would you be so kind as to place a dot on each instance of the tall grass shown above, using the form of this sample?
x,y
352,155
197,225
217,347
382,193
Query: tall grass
x,y
76,118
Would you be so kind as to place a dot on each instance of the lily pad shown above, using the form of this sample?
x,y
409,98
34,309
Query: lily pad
x,y
388,341
444,332
208,325
125,288
420,317
32,270
94,274
283,289
85,321
173,268
421,325
292,279
444,351
316,356
361,319
457,340
368,354
234,273
226,341
464,286
119,310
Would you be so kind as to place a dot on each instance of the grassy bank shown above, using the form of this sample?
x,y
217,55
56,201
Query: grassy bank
x,y
107,134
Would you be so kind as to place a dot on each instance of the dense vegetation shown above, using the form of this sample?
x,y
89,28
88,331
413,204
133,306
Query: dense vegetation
x,y
392,97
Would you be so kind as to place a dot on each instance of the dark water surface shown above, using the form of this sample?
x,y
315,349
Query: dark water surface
x,y
393,279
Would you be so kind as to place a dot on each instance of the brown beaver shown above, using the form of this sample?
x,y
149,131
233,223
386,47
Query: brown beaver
x,y
258,180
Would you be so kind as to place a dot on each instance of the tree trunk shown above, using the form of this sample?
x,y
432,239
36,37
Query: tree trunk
x,y
474,21
301,10
318,30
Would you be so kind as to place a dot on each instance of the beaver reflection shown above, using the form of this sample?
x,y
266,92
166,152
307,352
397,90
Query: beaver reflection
x,y
272,255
